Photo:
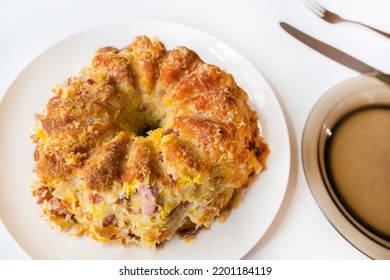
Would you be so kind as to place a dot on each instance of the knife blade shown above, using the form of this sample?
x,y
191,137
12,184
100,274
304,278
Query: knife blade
x,y
334,54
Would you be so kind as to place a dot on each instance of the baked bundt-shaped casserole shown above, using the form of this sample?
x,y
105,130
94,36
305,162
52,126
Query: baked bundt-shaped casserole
x,y
143,144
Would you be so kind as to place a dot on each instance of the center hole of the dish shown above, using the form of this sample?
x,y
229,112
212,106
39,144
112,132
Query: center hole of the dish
x,y
149,127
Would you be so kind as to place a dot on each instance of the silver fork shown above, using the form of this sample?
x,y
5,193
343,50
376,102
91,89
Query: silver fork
x,y
333,18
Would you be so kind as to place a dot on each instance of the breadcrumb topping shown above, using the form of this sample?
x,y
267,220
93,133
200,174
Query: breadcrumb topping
x,y
143,144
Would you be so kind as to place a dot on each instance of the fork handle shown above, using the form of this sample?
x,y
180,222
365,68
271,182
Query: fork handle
x,y
387,35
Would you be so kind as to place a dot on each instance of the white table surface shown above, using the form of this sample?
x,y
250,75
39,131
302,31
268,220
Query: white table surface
x,y
297,74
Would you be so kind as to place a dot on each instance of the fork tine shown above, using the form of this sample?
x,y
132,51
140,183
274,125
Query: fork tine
x,y
318,5
314,7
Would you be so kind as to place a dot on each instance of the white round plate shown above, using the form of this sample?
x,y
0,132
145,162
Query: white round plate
x,y
28,95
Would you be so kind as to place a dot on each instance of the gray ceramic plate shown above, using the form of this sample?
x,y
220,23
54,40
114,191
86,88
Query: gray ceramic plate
x,y
337,102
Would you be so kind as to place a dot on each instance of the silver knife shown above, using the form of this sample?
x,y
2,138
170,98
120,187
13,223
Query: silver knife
x,y
335,54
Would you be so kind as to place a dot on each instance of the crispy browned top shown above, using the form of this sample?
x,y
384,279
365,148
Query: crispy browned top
x,y
96,126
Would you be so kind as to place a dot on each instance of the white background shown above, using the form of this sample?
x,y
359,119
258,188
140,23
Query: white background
x,y
297,74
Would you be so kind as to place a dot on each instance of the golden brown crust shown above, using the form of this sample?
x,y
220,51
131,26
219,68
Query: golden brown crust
x,y
213,139
142,162
72,128
105,165
178,64
107,49
144,57
115,67
149,141
181,155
